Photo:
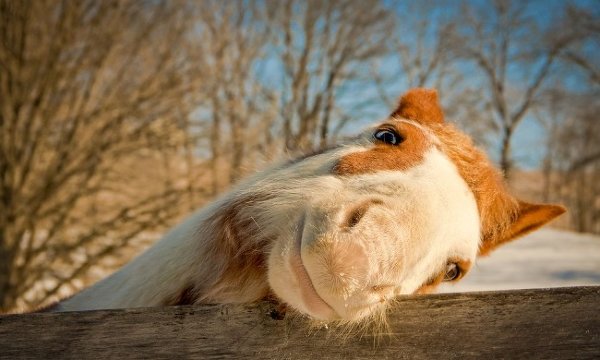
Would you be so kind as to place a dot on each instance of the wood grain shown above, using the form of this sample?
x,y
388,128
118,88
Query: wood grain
x,y
544,323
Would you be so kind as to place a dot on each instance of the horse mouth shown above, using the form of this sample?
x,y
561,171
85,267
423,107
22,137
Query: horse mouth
x,y
310,297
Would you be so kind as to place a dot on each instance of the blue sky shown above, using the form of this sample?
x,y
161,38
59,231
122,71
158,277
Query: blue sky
x,y
527,144
528,141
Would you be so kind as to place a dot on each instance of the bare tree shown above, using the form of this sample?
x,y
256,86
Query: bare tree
x,y
321,48
577,175
277,70
504,42
584,21
568,111
419,54
107,108
232,43
87,90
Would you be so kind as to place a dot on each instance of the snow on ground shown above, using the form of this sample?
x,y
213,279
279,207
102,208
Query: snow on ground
x,y
546,258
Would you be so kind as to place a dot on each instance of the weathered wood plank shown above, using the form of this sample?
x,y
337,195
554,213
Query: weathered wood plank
x,y
548,323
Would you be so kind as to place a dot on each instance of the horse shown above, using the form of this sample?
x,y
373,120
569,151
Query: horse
x,y
337,234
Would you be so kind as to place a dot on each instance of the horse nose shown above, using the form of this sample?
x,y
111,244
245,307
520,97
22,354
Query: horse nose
x,y
356,213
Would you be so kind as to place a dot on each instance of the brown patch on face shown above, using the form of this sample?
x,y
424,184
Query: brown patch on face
x,y
408,153
421,105
436,280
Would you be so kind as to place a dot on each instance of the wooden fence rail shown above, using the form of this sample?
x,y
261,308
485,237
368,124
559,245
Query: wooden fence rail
x,y
545,323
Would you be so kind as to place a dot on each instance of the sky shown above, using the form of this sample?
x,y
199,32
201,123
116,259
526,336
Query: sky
x,y
528,141
529,138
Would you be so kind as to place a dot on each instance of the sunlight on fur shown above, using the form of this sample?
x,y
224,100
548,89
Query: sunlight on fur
x,y
337,235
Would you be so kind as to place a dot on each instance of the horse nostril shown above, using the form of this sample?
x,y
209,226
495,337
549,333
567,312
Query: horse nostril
x,y
356,214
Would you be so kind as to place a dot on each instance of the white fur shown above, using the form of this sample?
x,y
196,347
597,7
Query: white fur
x,y
158,271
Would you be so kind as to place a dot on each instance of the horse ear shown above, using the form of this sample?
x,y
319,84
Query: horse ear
x,y
421,105
529,218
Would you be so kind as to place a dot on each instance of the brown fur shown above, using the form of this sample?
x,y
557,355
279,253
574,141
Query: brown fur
x,y
530,217
497,208
420,104
387,157
240,241
433,283
241,250
503,217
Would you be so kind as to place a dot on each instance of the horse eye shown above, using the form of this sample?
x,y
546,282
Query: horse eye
x,y
452,272
388,137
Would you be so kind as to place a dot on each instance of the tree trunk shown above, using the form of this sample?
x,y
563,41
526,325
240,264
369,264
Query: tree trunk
x,y
237,158
547,172
6,300
580,194
505,159
215,139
